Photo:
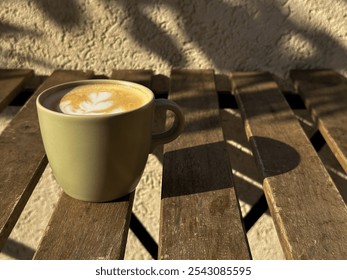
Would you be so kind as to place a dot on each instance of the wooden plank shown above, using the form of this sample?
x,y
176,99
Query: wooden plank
x,y
200,215
325,95
222,83
28,90
308,211
11,82
81,230
143,77
22,156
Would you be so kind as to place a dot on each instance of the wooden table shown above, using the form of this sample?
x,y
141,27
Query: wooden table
x,y
200,213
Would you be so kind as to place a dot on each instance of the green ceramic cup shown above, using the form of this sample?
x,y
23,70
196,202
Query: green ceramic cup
x,y
100,158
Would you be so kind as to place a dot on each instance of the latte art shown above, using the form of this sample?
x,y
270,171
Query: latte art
x,y
93,103
100,99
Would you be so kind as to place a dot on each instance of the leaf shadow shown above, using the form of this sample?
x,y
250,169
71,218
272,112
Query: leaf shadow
x,y
70,16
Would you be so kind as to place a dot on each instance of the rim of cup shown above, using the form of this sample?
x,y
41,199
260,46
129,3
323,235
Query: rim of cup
x,y
63,86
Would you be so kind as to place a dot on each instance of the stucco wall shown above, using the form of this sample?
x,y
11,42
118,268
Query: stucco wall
x,y
271,35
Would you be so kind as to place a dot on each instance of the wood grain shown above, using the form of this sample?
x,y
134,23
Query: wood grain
x,y
82,230
11,82
308,211
200,215
86,231
325,95
23,157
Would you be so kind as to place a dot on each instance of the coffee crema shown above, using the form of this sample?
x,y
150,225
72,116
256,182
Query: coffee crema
x,y
96,99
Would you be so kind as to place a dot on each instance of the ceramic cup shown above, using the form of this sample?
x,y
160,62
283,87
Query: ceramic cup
x,y
101,157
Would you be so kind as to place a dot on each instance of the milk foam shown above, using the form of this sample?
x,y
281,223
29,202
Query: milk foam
x,y
91,103
97,99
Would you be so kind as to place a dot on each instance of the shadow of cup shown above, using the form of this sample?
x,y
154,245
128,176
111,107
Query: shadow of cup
x,y
273,156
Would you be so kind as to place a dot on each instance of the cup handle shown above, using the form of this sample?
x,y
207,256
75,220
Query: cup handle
x,y
174,131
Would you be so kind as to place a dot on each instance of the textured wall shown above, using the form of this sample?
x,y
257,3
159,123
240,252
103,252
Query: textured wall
x,y
272,35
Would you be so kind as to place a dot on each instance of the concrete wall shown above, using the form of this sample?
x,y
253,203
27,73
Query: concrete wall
x,y
271,35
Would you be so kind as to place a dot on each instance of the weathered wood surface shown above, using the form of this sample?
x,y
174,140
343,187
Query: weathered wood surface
x,y
11,82
200,215
23,157
325,95
308,211
82,230
86,231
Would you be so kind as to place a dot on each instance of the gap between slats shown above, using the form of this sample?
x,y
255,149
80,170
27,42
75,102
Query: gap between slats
x,y
285,157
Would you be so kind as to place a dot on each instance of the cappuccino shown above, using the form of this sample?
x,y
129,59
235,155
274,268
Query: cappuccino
x,y
96,152
97,99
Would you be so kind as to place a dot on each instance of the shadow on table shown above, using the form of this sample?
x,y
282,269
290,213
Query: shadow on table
x,y
205,168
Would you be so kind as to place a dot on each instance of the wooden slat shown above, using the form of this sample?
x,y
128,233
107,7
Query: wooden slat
x,y
143,77
86,231
222,83
81,230
308,211
325,95
22,157
200,215
11,82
